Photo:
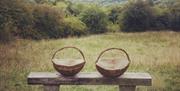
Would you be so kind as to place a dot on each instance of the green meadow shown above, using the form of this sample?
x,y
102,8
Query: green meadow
x,y
157,53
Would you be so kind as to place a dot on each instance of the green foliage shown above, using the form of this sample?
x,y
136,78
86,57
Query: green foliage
x,y
62,5
113,27
48,21
137,17
51,2
161,18
41,1
60,18
73,26
15,11
5,32
114,14
76,9
100,2
175,23
175,15
167,15
95,19
15,17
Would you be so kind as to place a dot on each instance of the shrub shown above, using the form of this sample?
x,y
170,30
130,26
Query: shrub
x,y
6,32
15,17
95,19
17,12
114,14
75,9
161,18
48,21
161,22
175,15
137,17
175,21
113,27
74,27
167,16
41,1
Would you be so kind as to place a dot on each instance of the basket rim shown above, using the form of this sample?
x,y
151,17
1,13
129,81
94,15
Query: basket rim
x,y
120,49
68,66
112,69
67,48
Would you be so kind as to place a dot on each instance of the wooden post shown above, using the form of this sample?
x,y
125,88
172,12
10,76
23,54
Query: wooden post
x,y
51,87
127,88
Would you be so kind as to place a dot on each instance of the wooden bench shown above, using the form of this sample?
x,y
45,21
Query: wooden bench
x,y
52,81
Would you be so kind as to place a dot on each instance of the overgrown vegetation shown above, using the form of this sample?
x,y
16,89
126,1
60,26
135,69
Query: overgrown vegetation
x,y
74,27
137,17
95,19
48,21
144,15
43,19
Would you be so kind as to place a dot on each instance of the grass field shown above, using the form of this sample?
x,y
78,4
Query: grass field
x,y
155,52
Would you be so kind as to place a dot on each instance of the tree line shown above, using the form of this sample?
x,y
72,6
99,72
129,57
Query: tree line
x,y
44,19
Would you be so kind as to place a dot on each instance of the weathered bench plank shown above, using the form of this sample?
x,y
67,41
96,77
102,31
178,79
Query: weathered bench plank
x,y
91,78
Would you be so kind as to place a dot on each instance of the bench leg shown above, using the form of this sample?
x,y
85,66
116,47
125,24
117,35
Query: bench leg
x,y
127,88
51,87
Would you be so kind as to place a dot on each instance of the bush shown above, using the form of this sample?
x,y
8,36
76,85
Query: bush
x,y
6,32
113,27
137,17
175,15
48,21
15,17
161,22
114,14
175,21
17,12
75,9
161,18
167,16
95,19
74,27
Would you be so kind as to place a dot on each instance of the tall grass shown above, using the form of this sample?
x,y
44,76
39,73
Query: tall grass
x,y
155,52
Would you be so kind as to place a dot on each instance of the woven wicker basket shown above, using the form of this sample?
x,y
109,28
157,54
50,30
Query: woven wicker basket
x,y
70,69
113,72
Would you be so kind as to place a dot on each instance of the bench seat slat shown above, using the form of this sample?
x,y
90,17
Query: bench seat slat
x,y
89,78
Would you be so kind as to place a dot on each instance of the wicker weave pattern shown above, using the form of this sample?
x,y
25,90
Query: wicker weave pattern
x,y
112,73
68,70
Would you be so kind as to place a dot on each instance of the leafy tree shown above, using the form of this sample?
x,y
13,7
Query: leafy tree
x,y
48,21
15,17
74,27
41,1
137,17
114,14
75,9
175,15
95,19
6,32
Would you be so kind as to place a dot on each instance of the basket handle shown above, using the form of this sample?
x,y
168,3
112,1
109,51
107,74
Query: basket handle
x,y
66,48
113,49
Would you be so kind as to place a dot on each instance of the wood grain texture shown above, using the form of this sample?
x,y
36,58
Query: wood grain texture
x,y
91,78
